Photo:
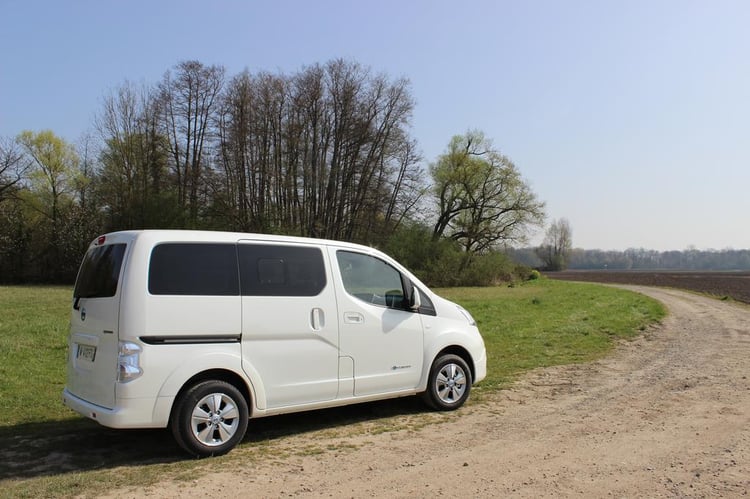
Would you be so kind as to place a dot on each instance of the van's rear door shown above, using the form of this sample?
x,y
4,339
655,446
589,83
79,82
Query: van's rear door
x,y
93,342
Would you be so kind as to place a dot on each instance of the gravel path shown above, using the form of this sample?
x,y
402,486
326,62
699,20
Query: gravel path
x,y
666,415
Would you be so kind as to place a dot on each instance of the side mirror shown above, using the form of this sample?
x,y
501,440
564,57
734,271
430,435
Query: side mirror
x,y
411,298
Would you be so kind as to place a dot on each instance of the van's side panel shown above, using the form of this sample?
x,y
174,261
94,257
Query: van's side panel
x,y
289,342
180,329
385,343
192,316
195,359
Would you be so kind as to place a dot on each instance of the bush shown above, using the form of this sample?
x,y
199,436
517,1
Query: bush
x,y
443,263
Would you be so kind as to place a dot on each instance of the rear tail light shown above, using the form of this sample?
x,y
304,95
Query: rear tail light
x,y
128,362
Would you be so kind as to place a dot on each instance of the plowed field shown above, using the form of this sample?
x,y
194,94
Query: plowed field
x,y
734,285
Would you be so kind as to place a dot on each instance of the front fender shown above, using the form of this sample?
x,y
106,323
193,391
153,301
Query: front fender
x,y
445,341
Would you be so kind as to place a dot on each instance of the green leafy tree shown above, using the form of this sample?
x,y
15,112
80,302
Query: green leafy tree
x,y
53,177
482,201
53,171
442,262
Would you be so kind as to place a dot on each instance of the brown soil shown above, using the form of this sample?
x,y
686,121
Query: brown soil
x,y
667,415
734,285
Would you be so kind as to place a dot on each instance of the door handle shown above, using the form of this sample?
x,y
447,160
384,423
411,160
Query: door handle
x,y
353,318
317,319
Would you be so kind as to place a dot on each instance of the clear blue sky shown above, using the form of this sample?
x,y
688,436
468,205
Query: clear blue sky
x,y
631,119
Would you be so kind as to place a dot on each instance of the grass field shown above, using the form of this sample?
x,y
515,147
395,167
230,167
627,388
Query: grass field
x,y
547,323
33,345
49,451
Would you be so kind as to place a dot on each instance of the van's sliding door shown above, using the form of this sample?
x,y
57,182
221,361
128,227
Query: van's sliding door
x,y
289,328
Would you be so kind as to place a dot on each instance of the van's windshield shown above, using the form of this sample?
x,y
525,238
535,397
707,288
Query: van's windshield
x,y
100,272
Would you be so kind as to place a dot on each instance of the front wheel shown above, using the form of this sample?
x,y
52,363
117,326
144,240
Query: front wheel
x,y
210,419
449,383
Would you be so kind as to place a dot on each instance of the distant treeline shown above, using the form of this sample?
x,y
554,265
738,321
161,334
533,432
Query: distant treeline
x,y
643,259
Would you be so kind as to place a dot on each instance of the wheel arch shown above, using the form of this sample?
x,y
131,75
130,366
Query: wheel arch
x,y
461,352
225,375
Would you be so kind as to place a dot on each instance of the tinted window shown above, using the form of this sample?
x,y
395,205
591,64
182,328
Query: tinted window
x,y
273,270
194,269
100,272
371,279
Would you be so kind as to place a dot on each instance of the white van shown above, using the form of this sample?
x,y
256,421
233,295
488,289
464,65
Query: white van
x,y
200,331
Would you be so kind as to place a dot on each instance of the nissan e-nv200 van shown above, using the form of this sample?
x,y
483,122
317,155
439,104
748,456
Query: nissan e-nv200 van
x,y
200,331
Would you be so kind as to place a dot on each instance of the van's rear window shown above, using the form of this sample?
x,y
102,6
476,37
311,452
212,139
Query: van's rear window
x,y
100,272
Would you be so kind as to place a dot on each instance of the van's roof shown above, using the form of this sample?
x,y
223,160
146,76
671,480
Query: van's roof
x,y
164,235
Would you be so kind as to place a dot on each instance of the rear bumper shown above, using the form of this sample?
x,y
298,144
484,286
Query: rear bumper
x,y
130,413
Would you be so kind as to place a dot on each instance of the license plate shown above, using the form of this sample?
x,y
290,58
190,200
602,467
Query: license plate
x,y
86,352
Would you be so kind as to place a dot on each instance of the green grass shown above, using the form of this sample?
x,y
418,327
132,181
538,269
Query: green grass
x,y
545,323
33,345
48,451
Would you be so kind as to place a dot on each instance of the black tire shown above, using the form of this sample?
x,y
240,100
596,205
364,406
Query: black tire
x,y
449,383
220,422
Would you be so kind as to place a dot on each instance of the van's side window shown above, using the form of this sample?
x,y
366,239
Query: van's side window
x,y
371,279
278,270
194,269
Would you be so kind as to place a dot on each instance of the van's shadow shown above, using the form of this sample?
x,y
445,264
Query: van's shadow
x,y
47,449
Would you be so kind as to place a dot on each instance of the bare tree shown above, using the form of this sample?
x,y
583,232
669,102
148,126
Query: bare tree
x,y
234,133
408,184
133,157
189,98
557,246
86,149
13,166
324,152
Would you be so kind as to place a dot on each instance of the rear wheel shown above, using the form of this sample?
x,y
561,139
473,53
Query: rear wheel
x,y
449,383
210,418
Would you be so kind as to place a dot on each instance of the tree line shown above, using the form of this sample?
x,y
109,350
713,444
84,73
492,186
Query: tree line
x,y
325,152
643,259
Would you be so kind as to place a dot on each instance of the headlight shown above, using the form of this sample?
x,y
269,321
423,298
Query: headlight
x,y
466,314
128,362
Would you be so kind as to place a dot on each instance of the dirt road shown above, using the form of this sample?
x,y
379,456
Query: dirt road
x,y
667,415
